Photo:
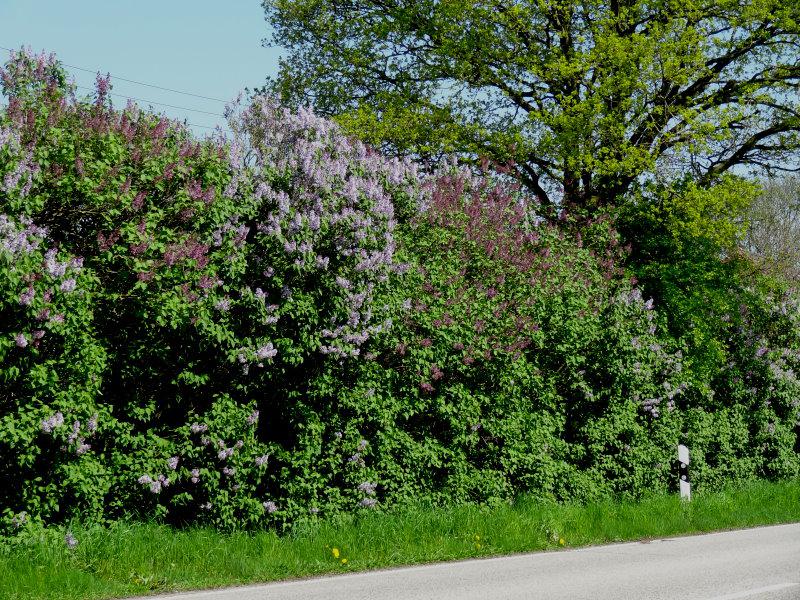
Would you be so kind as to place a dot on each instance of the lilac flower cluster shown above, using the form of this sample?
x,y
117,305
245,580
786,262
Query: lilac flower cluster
x,y
53,422
339,198
19,238
20,177
156,485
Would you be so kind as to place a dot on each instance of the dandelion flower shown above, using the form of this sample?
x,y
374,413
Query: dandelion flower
x,y
335,553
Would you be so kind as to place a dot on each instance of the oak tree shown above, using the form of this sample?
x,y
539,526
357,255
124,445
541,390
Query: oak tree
x,y
585,97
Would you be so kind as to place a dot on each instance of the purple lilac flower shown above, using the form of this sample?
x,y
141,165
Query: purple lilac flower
x,y
91,425
155,487
145,480
26,297
262,460
199,428
367,487
195,475
266,351
762,350
253,418
70,540
76,428
21,340
223,305
82,448
68,285
228,471
362,445
270,507
368,502
172,463
19,520
54,422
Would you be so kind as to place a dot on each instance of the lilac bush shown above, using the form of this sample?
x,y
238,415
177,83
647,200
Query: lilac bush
x,y
282,324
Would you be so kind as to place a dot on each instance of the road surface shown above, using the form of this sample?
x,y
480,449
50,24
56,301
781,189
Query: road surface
x,y
755,564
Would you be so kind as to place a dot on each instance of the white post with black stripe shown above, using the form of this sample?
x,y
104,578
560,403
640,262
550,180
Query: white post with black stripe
x,y
683,459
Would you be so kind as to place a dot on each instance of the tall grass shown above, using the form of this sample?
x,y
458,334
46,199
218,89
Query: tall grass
x,y
132,559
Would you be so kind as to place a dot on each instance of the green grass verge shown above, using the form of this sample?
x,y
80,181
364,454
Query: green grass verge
x,y
138,559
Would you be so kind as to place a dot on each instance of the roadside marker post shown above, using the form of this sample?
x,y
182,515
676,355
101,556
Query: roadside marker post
x,y
683,459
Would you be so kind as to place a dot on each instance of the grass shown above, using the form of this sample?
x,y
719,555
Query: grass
x,y
139,559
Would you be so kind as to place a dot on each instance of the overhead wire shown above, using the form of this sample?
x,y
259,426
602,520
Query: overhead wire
x,y
205,112
150,85
151,102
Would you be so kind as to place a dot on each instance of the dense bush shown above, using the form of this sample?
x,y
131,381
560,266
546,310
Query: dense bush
x,y
283,324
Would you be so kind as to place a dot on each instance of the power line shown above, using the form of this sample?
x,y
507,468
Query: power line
x,y
152,101
150,85
205,112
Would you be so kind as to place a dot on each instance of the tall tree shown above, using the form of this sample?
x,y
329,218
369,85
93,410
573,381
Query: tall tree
x,y
586,97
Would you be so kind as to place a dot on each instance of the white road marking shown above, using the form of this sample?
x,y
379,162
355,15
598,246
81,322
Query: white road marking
x,y
753,592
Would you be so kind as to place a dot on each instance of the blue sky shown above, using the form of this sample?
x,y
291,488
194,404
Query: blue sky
x,y
207,48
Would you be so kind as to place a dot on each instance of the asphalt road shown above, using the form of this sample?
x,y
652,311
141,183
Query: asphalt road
x,y
757,564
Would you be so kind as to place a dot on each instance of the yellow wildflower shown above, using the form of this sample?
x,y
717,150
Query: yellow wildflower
x,y
561,541
344,561
335,553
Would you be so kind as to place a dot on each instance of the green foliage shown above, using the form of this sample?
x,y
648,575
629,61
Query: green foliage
x,y
283,326
585,97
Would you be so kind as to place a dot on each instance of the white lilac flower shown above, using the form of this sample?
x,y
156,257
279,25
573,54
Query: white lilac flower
x,y
228,471
145,480
195,475
270,507
199,428
262,460
172,463
368,502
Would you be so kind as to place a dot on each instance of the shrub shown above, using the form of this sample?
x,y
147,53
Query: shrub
x,y
253,331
